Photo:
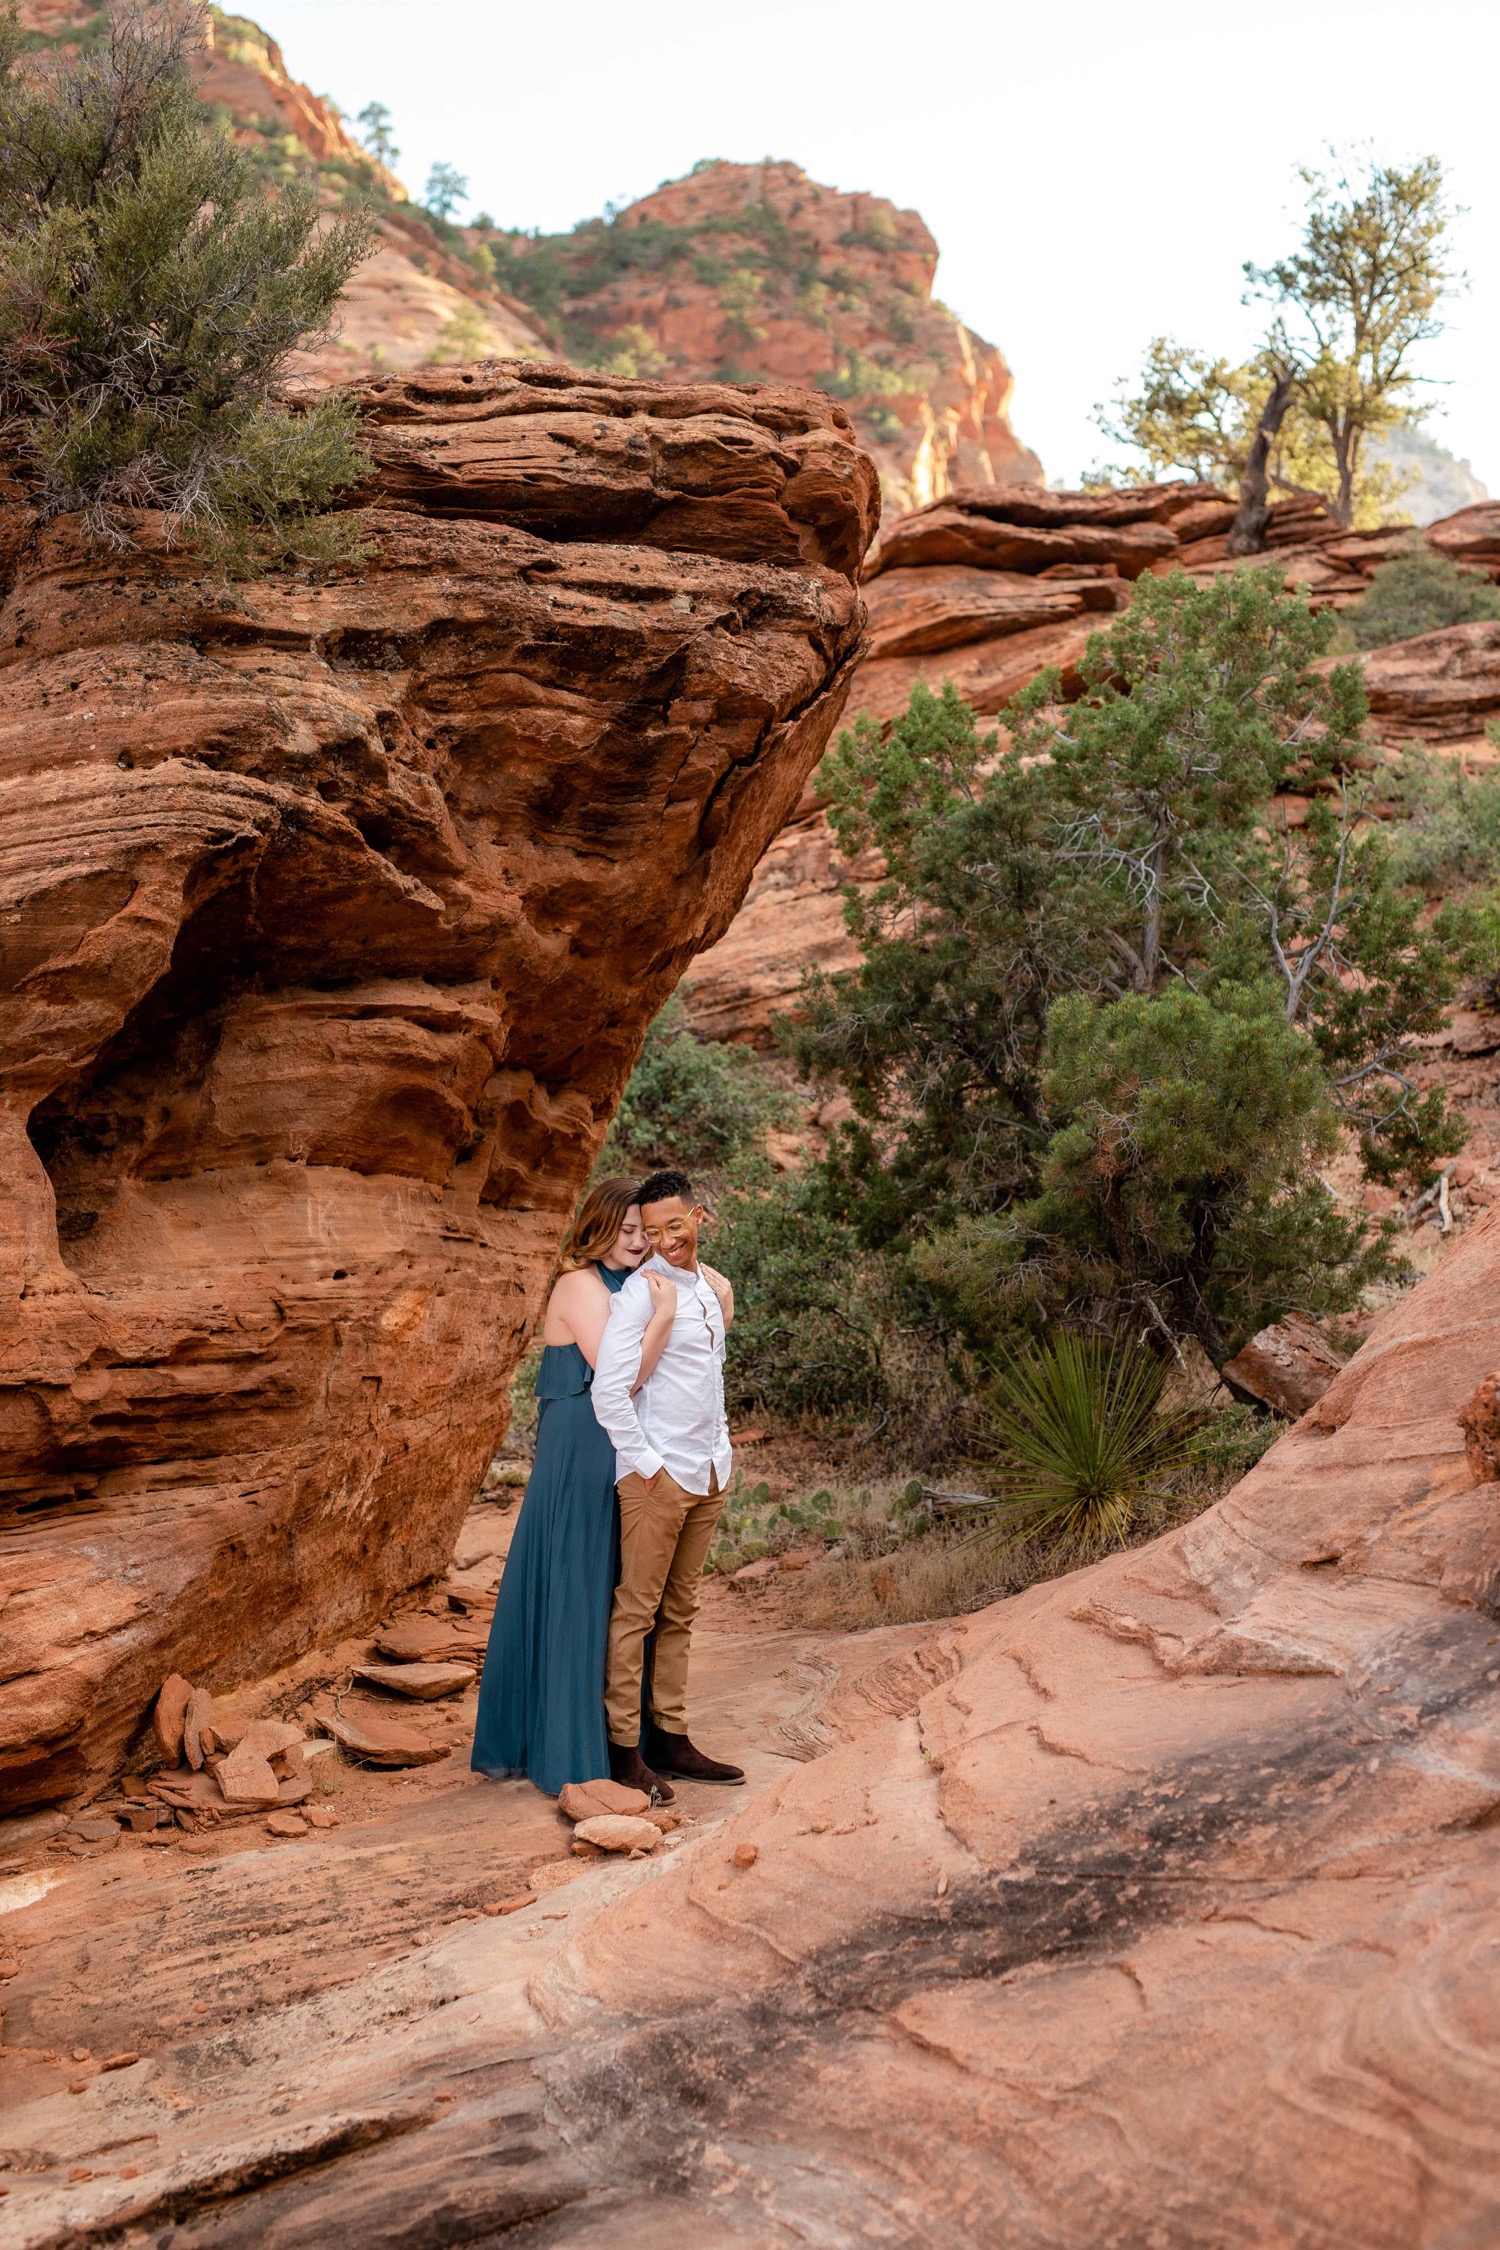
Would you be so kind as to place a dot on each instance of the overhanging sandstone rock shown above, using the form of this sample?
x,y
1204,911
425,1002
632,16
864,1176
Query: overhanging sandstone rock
x,y
334,908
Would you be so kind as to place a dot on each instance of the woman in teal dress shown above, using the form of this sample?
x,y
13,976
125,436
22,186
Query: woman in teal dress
x,y
541,1697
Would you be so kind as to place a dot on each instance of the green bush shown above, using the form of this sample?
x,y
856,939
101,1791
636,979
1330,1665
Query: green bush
x,y
1179,1194
811,1308
1448,836
1419,592
694,1103
152,288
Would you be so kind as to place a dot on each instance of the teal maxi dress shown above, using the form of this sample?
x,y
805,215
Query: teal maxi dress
x,y
541,1695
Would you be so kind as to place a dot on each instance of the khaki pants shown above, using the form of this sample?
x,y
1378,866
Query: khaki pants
x,y
664,1536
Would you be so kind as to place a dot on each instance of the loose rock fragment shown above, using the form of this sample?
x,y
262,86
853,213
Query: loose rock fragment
x,y
585,1800
426,1683
745,1855
619,1832
197,1717
171,1710
320,1816
286,1824
377,1742
265,1738
246,1778
429,1640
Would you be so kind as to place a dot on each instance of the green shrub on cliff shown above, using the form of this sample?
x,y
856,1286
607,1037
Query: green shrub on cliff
x,y
152,288
1418,591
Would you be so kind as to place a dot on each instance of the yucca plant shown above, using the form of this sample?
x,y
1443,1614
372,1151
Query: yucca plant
x,y
1084,1440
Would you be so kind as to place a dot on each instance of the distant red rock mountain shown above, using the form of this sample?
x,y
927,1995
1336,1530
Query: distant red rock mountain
x,y
754,272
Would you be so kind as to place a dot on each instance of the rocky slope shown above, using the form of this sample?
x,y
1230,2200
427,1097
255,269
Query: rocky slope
x,y
987,586
420,296
335,909
754,271
1157,1905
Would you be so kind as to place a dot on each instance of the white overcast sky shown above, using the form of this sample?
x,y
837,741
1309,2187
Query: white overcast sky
x,y
1094,174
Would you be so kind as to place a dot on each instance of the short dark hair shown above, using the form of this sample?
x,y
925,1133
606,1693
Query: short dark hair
x,y
662,1186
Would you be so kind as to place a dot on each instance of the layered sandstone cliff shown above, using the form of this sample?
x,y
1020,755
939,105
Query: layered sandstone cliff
x,y
334,910
755,270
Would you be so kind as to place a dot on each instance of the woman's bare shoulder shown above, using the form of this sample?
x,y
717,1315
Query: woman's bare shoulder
x,y
573,1292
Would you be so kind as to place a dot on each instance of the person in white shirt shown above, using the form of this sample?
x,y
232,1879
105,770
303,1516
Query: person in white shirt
x,y
672,1461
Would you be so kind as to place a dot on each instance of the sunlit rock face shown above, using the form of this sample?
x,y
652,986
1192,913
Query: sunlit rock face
x,y
334,908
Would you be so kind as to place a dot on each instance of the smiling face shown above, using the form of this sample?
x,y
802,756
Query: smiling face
x,y
672,1230
630,1246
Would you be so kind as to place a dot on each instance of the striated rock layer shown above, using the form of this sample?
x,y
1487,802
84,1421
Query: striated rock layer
x,y
1157,1905
334,909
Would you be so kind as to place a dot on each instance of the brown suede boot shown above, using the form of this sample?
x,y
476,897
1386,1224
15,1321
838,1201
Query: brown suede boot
x,y
673,1753
628,1766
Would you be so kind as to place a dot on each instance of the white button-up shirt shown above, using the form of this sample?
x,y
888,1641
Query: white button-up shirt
x,y
676,1421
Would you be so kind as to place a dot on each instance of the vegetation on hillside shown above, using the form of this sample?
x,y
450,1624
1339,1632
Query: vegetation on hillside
x,y
759,263
151,292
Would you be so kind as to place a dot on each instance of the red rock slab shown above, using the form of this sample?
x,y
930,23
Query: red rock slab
x,y
1190,508
987,674
1287,1366
1437,686
582,1800
429,1640
792,919
912,612
365,1733
1471,536
946,534
170,1714
424,1683
752,474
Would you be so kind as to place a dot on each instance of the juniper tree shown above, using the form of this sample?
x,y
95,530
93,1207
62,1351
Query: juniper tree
x,y
152,291
1117,851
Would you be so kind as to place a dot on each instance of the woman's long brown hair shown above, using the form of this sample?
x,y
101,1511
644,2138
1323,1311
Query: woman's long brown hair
x,y
600,1217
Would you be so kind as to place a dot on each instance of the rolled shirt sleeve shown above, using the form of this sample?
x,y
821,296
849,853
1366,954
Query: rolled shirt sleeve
x,y
619,1365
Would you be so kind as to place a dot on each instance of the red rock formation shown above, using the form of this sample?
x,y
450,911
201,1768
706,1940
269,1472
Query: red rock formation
x,y
335,908
756,270
1157,1905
